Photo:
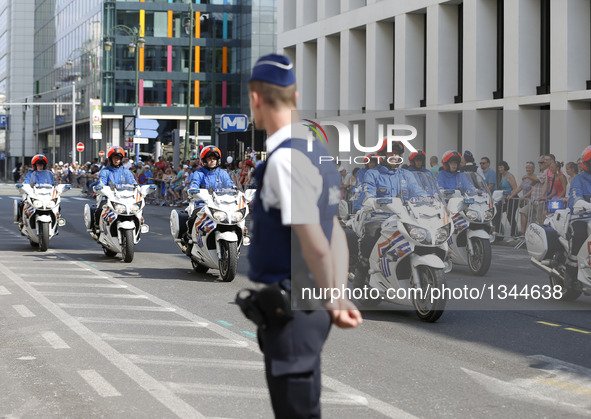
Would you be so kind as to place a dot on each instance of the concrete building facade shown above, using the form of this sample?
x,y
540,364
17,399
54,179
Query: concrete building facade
x,y
507,79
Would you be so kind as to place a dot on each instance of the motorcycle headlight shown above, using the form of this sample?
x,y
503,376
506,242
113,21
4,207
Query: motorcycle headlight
x,y
442,234
220,216
51,204
489,214
135,208
417,233
472,215
238,216
37,203
120,208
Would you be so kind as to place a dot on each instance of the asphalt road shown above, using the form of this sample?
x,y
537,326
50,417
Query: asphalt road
x,y
83,335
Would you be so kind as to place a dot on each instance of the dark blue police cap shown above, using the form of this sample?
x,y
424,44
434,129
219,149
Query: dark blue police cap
x,y
275,69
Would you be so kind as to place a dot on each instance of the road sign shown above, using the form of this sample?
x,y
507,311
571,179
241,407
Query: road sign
x,y
80,147
101,153
145,133
146,124
234,122
137,140
2,121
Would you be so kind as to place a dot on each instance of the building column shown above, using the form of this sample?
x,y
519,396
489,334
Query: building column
x,y
408,72
379,66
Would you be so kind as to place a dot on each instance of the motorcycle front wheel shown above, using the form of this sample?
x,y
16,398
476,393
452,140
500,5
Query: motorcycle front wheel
x,y
229,260
43,237
127,245
480,258
427,310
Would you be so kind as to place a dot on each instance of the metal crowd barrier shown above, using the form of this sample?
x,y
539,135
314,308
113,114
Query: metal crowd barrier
x,y
514,216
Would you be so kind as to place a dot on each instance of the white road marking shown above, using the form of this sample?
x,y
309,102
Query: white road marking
x,y
115,307
54,340
23,311
258,393
74,285
4,291
62,275
98,383
156,389
172,339
197,362
93,295
143,322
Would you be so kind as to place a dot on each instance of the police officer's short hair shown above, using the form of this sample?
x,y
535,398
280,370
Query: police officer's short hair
x,y
275,96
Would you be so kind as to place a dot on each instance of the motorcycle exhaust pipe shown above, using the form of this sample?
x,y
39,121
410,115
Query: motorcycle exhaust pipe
x,y
548,269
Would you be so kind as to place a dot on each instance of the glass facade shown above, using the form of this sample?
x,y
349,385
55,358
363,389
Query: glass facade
x,y
163,64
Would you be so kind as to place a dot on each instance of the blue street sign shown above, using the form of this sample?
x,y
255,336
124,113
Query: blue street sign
x,y
2,156
145,133
234,122
3,121
146,124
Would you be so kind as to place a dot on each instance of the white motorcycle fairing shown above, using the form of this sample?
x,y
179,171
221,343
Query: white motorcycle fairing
x,y
40,216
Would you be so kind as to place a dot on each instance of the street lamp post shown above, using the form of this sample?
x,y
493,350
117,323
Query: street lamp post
x,y
188,123
69,65
137,42
25,108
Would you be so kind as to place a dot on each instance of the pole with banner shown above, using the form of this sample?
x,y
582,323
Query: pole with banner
x,y
95,123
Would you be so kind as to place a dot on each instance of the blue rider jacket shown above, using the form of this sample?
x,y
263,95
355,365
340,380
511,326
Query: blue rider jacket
x,y
116,176
39,176
411,168
452,181
205,178
580,188
383,182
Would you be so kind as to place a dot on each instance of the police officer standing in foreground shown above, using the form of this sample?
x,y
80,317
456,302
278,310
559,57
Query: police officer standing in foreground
x,y
297,196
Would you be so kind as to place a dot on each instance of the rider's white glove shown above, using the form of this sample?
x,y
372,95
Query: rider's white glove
x,y
370,203
581,206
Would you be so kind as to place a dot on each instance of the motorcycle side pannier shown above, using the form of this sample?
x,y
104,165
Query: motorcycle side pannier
x,y
542,241
178,223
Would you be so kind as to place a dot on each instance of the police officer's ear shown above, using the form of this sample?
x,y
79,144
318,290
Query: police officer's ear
x,y
255,99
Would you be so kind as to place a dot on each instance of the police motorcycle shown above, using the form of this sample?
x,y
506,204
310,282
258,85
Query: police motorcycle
x,y
406,263
549,246
472,210
120,221
40,213
217,229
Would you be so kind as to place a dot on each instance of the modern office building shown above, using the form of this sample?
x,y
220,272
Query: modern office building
x,y
507,79
70,47
16,75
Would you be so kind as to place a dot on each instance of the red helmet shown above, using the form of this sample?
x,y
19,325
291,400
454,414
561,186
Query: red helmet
x,y
586,157
39,158
450,156
419,154
113,151
208,151
397,147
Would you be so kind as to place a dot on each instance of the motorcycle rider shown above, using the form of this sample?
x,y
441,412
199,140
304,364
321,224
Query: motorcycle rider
x,y
417,162
580,189
114,173
449,178
385,180
36,175
208,176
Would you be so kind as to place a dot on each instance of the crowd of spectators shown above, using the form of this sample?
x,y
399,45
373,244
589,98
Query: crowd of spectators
x,y
172,181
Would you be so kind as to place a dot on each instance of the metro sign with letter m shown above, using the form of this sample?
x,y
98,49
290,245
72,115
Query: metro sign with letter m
x,y
234,122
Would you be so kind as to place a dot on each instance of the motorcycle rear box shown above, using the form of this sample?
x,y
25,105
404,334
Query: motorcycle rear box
x,y
542,241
